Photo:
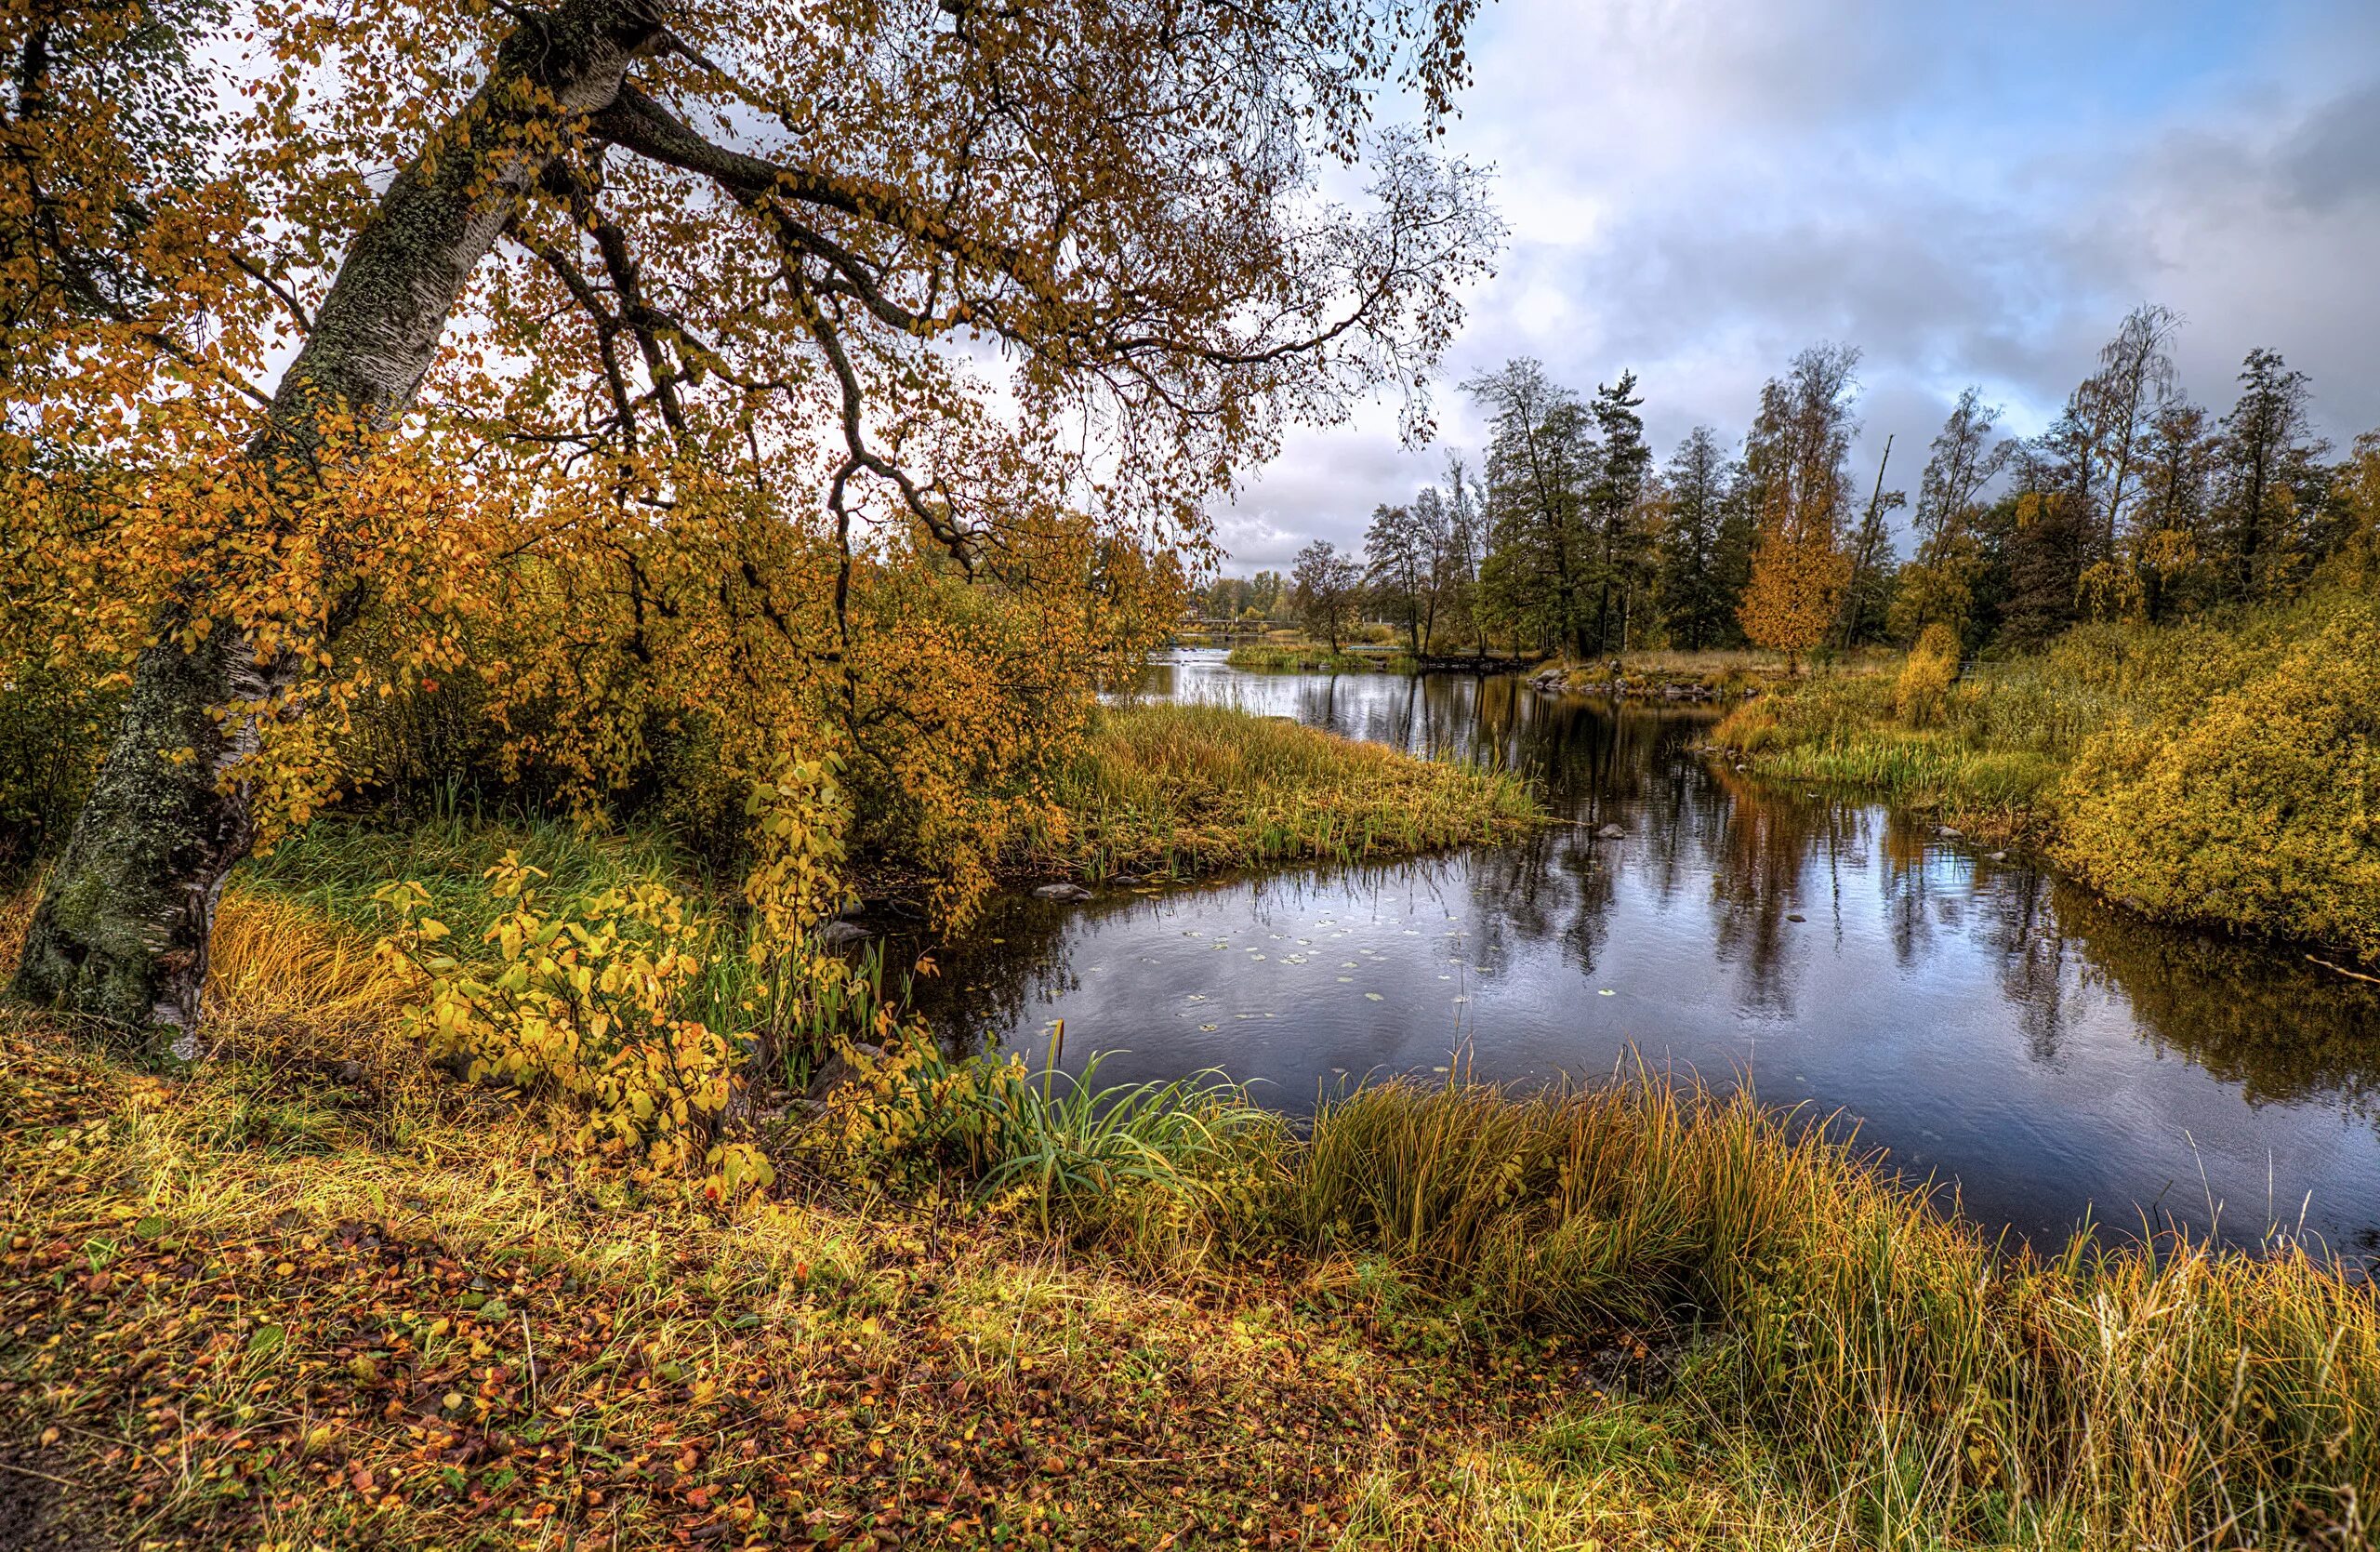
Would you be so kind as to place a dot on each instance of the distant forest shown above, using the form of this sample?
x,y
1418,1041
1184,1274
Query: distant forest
x,y
2137,503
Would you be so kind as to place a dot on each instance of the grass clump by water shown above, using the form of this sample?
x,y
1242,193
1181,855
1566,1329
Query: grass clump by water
x,y
1188,788
1927,1387
2219,772
1314,658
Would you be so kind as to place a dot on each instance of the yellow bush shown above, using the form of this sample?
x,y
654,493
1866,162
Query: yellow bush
x,y
1927,677
2256,804
582,1000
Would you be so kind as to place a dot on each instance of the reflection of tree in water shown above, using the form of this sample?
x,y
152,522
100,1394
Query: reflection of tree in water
x,y
1591,766
1926,887
2282,1030
1912,903
1759,850
2016,919
1011,959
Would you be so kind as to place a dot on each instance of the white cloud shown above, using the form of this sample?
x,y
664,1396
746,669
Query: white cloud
x,y
1695,190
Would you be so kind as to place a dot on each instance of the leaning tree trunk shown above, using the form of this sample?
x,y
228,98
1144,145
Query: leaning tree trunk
x,y
122,930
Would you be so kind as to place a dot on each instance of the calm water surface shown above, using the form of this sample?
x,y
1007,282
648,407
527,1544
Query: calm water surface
x,y
1993,1029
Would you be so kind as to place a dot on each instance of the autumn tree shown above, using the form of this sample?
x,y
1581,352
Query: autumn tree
x,y
1328,587
1939,585
1794,463
820,362
2354,551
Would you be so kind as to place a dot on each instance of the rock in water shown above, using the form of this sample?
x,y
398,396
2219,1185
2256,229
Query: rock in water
x,y
1068,892
840,934
1611,832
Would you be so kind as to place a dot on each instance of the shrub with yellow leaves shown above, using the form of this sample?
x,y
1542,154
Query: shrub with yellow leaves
x,y
582,1000
1927,677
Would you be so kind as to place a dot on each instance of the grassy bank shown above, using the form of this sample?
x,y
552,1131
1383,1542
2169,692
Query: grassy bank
x,y
2223,771
1190,789
1155,788
1715,675
1315,657
1988,768
295,1302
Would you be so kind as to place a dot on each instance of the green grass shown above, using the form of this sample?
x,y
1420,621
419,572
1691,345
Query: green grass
x,y
1189,789
337,863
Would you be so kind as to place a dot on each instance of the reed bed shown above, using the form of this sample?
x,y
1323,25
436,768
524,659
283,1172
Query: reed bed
x,y
1933,1388
1189,789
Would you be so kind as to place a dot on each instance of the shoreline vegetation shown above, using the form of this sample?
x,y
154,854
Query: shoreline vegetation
x,y
2217,772
315,1292
1183,789
1317,658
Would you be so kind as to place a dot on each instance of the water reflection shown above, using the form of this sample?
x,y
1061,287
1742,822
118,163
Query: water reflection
x,y
1984,1022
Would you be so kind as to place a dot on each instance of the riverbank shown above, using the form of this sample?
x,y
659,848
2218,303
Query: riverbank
x,y
1315,657
1666,677
2217,773
1183,789
303,1300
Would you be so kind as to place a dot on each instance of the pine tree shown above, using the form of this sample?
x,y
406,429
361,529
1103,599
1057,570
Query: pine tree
x,y
1698,606
1614,522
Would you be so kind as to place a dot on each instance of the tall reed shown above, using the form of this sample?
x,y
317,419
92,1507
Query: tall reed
x,y
1938,1387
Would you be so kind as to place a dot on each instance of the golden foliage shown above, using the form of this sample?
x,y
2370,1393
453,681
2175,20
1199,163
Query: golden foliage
x,y
2250,793
1798,575
670,456
1927,677
582,1000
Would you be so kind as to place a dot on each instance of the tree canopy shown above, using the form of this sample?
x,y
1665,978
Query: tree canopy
x,y
665,374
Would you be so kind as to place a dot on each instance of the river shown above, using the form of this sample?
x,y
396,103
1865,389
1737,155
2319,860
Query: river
x,y
1999,1032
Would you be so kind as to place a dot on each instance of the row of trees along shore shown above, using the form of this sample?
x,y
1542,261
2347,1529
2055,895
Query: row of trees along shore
x,y
2137,503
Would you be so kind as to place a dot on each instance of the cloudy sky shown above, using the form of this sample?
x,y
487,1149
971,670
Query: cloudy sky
x,y
1696,188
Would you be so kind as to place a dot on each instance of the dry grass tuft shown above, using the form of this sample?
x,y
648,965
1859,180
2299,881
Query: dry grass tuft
x,y
1189,789
282,984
